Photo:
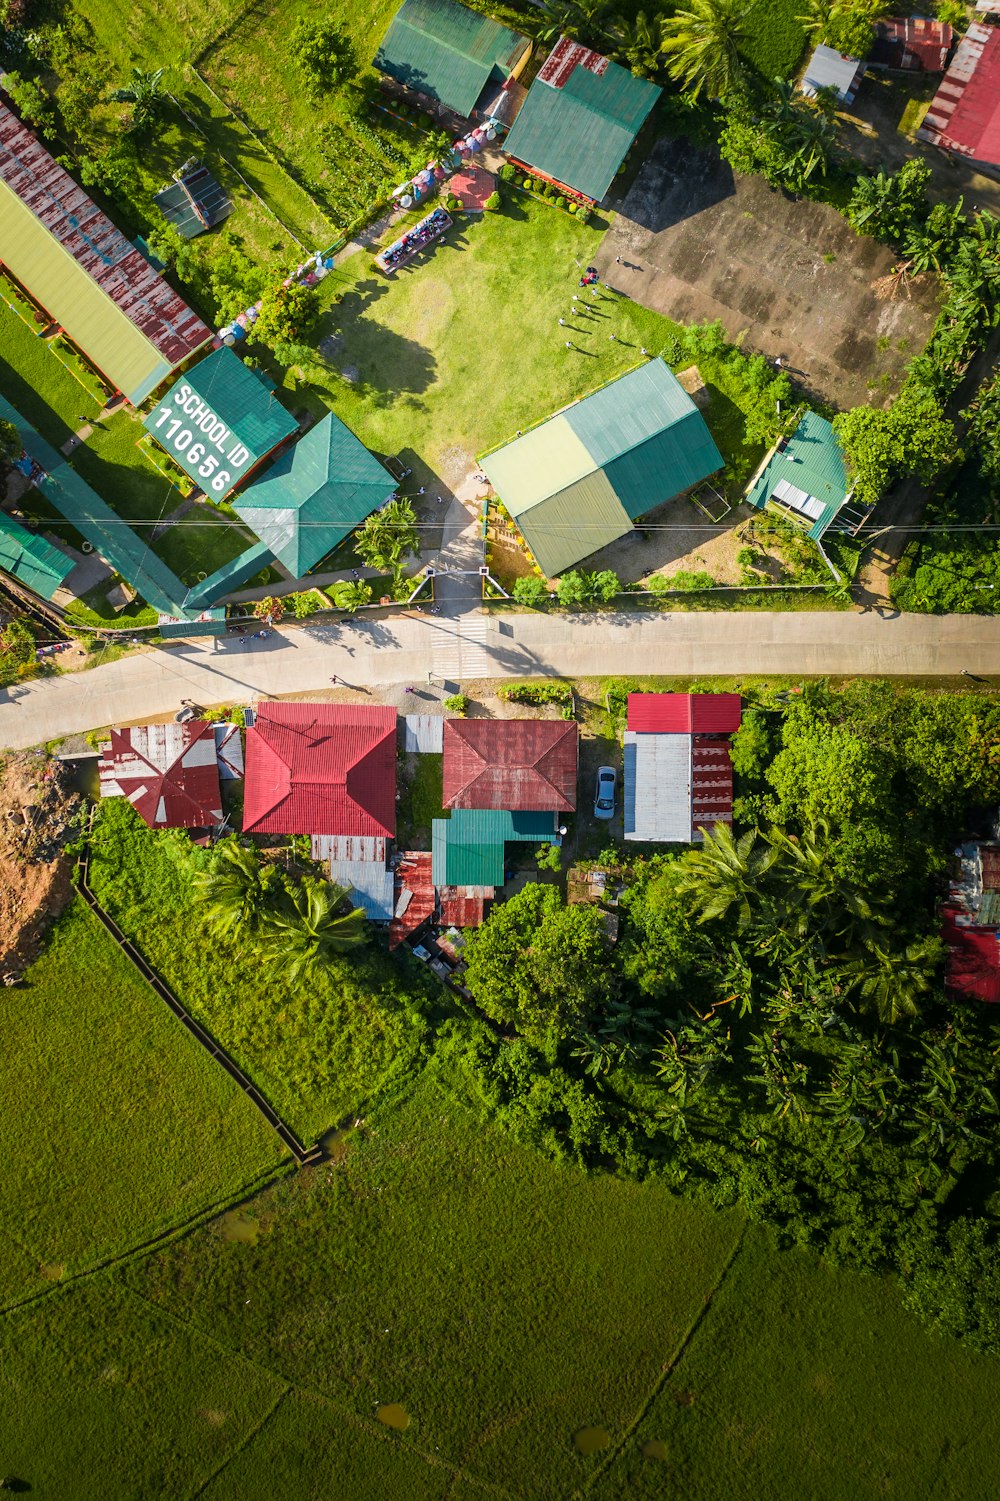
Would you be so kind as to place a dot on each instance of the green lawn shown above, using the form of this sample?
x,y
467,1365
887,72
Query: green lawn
x,y
319,1054
420,803
807,1382
457,352
503,1301
103,1397
118,1125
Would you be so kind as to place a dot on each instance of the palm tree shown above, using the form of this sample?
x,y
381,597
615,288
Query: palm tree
x,y
145,94
350,595
724,873
314,922
637,44
701,41
890,983
238,892
804,131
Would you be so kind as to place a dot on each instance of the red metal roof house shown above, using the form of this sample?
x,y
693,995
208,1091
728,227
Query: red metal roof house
x,y
970,922
519,765
678,770
321,769
911,44
965,112
168,772
684,713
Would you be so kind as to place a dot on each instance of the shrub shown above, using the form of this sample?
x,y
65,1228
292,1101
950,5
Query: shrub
x,y
537,693
531,591
493,202
527,184
304,604
549,857
457,703
560,201
506,173
323,54
572,208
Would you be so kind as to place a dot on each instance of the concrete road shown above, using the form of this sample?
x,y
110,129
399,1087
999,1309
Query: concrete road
x,y
404,648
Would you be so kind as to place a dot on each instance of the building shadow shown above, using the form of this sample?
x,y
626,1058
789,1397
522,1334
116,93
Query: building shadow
x,y
677,182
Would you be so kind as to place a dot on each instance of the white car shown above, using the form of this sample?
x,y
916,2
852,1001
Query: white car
x,y
604,792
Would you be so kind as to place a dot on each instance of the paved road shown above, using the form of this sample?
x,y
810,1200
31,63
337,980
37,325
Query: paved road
x,y
403,648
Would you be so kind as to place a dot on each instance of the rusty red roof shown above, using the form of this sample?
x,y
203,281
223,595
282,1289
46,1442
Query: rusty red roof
x,y
989,863
512,764
973,958
684,713
101,250
461,906
168,772
711,782
416,898
915,44
964,115
321,769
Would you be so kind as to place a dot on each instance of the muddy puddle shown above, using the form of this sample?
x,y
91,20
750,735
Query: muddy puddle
x,y
393,1415
591,1440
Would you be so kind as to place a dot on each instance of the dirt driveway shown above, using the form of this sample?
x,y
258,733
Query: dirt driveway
x,y
695,242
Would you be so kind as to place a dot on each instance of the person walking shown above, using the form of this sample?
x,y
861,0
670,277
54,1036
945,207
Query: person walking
x,y
569,344
562,322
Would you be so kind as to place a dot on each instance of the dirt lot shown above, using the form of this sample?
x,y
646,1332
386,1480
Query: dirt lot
x,y
789,279
34,876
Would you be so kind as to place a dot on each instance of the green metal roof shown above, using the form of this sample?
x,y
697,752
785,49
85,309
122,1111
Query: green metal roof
x,y
447,52
32,560
314,495
579,132
811,461
33,443
467,849
578,481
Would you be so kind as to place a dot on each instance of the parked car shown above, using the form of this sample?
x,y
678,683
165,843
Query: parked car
x,y
604,792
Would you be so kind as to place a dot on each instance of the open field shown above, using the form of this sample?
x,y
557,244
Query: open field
x,y
118,1126
320,1054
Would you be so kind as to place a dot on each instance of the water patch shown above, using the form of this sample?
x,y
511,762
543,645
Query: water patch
x,y
654,1448
591,1440
393,1415
238,1225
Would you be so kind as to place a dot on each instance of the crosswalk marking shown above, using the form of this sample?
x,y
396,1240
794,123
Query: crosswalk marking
x,y
459,649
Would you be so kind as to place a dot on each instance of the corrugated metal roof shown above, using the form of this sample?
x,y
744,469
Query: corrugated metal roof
x,y
657,779
194,202
229,751
30,559
965,112
371,886
462,906
829,69
510,764
423,733
447,52
913,43
44,455
414,893
973,958
314,495
684,713
168,772
84,272
578,481
461,856
810,461
352,848
711,783
321,769
578,127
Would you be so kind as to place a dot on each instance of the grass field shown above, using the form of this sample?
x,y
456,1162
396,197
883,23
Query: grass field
x,y
460,350
421,788
118,1125
320,1054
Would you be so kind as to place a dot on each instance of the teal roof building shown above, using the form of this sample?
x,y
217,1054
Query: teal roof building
x,y
805,476
577,482
467,849
30,559
449,53
314,495
581,116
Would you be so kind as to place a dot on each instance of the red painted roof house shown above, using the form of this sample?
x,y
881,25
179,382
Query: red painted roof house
x,y
964,115
911,44
513,764
321,769
684,713
970,922
168,772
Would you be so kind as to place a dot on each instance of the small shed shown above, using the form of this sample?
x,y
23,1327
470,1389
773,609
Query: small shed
x,y
194,202
806,476
829,69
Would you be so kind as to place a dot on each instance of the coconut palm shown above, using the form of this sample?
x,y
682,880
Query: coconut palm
x,y
701,41
890,983
146,95
237,891
350,596
725,873
312,923
637,43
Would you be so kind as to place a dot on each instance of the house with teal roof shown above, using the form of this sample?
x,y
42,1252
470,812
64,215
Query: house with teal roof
x,y
805,477
314,495
448,53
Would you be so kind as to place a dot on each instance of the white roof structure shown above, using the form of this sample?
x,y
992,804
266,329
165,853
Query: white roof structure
x,y
358,861
423,732
829,69
229,751
658,788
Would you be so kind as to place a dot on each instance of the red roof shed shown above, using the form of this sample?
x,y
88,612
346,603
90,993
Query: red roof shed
x,y
914,44
964,115
973,958
321,769
518,765
168,772
684,713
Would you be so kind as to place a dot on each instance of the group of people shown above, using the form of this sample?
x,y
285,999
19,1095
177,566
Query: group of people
x,y
590,277
413,239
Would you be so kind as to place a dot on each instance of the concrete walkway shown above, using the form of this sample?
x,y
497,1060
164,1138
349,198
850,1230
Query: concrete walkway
x,y
403,648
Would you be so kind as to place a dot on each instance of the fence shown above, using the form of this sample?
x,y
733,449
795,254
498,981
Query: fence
x,y
302,1154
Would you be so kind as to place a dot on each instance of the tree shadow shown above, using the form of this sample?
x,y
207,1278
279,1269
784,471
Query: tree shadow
x,y
377,361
